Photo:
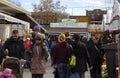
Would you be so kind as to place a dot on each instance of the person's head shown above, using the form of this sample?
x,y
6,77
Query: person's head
x,y
7,72
67,34
15,34
76,37
36,29
61,38
38,38
94,39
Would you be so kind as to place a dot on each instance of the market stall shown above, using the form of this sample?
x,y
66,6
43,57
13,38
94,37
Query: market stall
x,y
9,23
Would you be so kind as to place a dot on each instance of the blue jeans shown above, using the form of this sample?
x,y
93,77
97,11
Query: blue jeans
x,y
37,75
63,71
75,75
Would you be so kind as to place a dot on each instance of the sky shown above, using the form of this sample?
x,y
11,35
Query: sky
x,y
74,7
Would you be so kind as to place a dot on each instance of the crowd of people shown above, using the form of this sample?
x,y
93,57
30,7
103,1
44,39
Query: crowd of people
x,y
37,47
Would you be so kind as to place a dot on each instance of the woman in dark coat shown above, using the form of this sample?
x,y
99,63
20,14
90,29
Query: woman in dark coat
x,y
82,58
61,55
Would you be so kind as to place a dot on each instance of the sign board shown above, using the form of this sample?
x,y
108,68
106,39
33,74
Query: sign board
x,y
69,20
69,25
82,19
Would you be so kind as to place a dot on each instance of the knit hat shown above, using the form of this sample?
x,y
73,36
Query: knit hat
x,y
36,28
8,71
61,38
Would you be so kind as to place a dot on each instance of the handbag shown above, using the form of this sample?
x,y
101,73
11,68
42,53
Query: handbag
x,y
72,61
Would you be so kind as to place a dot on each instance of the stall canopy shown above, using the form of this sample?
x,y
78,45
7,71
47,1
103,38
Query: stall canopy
x,y
31,20
6,19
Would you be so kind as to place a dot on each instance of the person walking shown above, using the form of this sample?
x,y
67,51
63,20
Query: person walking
x,y
82,58
39,52
36,31
61,55
96,57
68,38
15,46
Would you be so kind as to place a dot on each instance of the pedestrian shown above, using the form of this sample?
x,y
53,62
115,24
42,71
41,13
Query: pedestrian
x,y
96,57
15,46
61,55
36,31
39,52
28,52
68,38
82,58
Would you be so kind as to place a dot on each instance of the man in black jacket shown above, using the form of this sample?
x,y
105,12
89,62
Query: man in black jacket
x,y
15,46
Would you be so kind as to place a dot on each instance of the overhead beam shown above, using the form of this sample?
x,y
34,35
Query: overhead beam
x,y
8,4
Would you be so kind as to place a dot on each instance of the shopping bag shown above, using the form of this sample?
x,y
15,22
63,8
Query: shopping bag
x,y
72,61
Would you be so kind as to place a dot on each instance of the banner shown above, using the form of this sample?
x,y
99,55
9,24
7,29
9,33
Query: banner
x,y
115,11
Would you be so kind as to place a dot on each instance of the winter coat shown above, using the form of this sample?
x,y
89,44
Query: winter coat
x,y
38,59
16,48
61,53
27,44
69,40
95,53
82,57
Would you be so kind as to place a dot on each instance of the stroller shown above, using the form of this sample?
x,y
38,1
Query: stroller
x,y
14,64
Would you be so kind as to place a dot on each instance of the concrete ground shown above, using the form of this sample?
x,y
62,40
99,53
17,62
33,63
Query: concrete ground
x,y
49,71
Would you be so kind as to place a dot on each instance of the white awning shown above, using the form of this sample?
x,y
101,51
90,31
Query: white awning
x,y
12,19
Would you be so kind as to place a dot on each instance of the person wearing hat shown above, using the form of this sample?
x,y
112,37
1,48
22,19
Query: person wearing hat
x,y
36,30
15,46
40,52
7,73
61,54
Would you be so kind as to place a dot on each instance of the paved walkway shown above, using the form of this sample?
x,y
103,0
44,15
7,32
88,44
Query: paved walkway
x,y
49,73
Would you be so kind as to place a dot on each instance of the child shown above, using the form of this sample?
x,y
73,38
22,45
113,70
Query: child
x,y
7,73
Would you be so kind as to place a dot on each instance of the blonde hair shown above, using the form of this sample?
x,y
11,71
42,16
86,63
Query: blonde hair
x,y
61,38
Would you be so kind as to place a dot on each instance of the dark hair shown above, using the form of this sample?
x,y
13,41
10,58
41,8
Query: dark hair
x,y
15,32
76,37
67,34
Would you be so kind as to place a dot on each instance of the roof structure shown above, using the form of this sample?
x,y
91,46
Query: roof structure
x,y
7,7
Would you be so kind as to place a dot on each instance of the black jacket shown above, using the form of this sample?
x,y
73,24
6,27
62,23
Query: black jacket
x,y
82,57
16,48
95,53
